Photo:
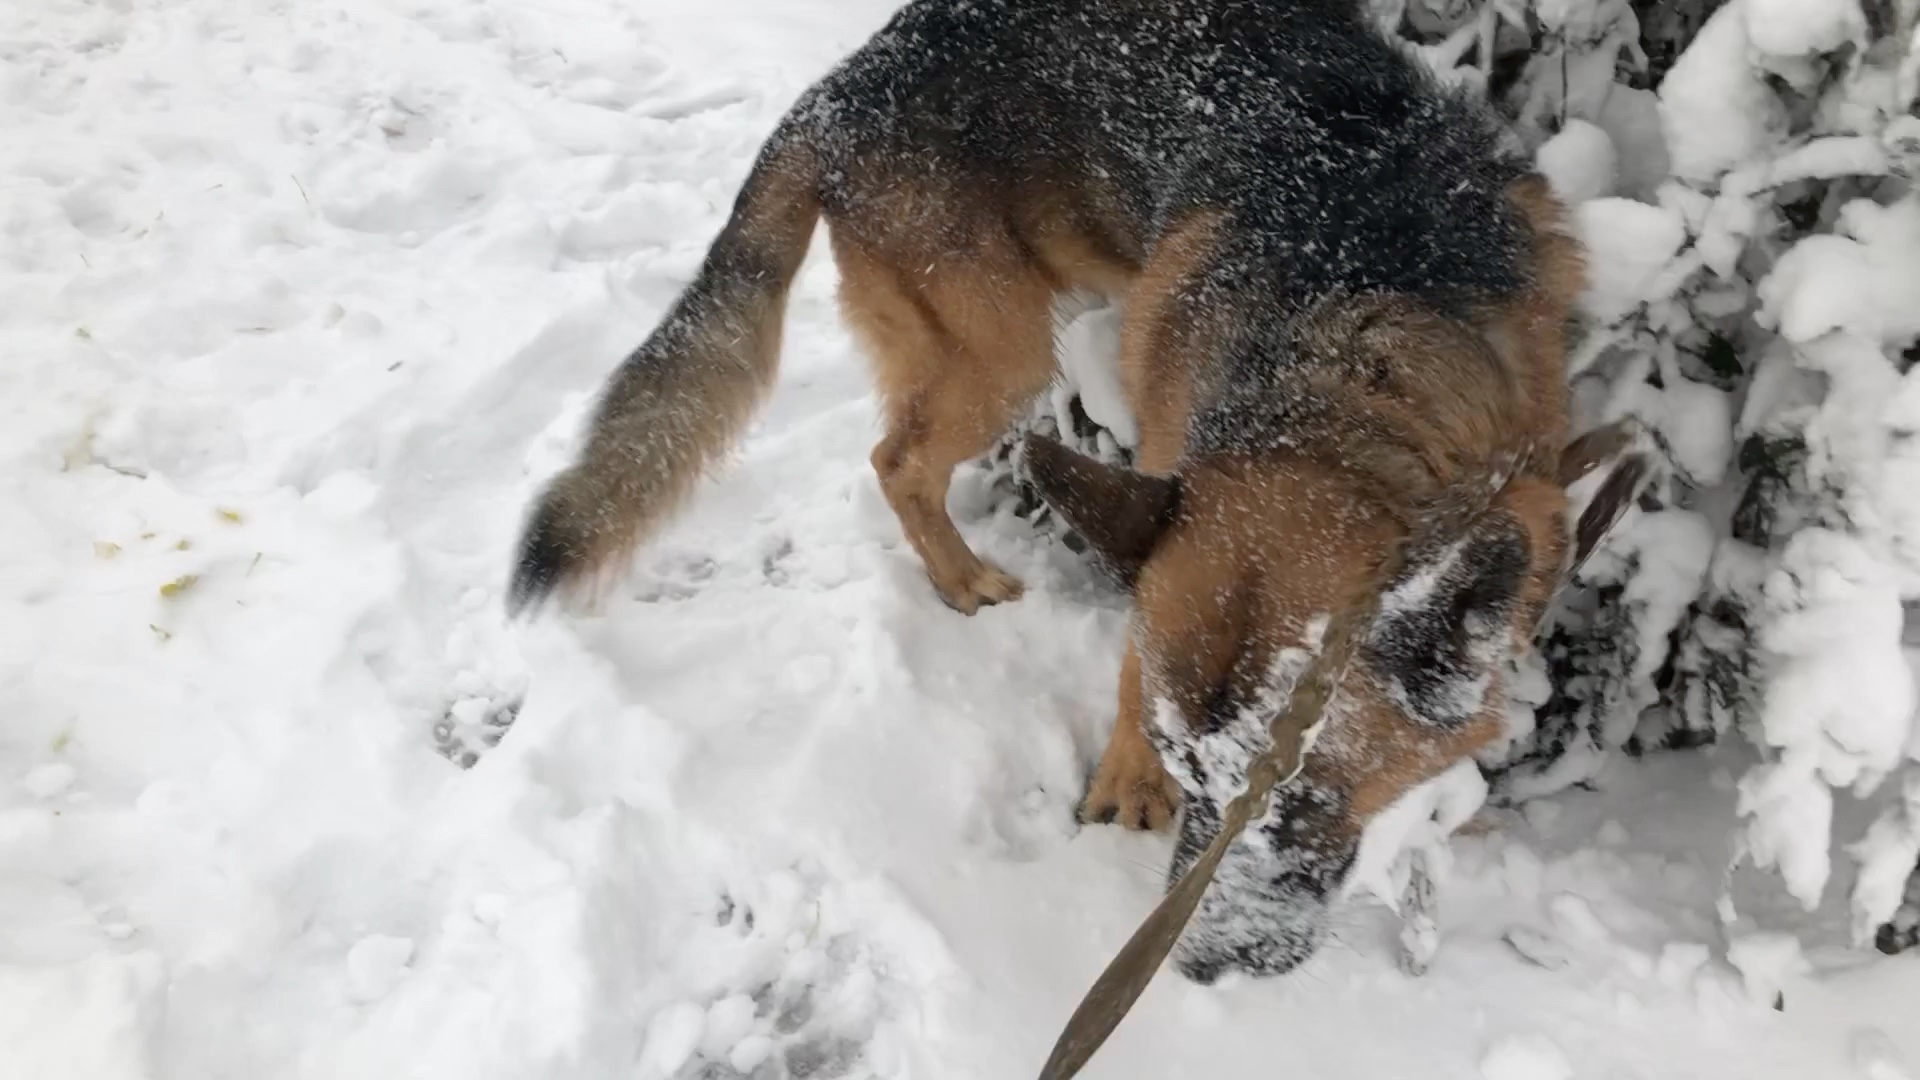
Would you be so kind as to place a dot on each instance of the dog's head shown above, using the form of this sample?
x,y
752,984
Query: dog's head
x,y
1236,565
1294,489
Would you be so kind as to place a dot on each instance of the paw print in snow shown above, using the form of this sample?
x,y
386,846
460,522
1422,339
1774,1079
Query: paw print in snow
x,y
473,726
675,576
802,1005
483,678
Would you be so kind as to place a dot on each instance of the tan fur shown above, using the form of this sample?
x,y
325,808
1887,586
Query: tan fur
x,y
956,350
1541,506
1130,779
1195,628
1160,339
1078,255
960,339
1531,335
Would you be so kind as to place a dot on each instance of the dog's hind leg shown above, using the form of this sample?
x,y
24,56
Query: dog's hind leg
x,y
1162,335
957,346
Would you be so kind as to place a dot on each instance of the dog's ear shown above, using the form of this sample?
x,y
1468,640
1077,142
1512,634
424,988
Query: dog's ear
x,y
1608,449
1120,513
1617,493
1602,446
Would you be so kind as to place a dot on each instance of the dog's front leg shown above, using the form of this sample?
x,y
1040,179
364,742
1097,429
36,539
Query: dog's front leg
x,y
1131,787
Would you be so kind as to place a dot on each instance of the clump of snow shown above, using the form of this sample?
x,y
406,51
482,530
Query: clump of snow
x,y
50,781
1525,1057
1887,856
93,1014
1796,28
375,964
1528,688
1405,857
1862,278
1840,697
1662,558
1836,620
1631,248
1579,161
1768,963
1695,421
1573,916
1537,947
672,1035
1423,819
1716,110
1088,348
1680,961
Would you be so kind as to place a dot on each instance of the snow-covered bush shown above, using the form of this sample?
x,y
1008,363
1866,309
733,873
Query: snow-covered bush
x,y
1743,174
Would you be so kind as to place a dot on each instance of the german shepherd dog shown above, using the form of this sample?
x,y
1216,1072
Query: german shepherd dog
x,y
1343,302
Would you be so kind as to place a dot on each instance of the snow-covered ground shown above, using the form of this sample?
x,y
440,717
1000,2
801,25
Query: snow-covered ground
x,y
298,302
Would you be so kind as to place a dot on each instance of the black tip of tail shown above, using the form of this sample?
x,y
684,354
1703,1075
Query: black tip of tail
x,y
547,557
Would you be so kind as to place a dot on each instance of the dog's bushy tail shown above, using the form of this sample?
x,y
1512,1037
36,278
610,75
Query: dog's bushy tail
x,y
681,399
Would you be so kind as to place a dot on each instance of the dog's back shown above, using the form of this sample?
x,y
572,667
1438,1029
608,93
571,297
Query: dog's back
x,y
1238,172
1090,135
1341,163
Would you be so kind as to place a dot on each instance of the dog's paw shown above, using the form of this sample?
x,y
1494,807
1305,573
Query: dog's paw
x,y
1131,790
984,587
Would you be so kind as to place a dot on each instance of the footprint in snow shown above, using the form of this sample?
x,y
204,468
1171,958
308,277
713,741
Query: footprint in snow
x,y
674,576
682,575
803,1002
473,726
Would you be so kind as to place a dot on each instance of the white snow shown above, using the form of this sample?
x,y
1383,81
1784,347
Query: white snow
x,y
299,302
49,781
1862,279
1671,550
1793,28
1088,348
1422,820
1579,161
1630,247
1840,695
1887,855
1525,1057
1875,1057
1694,419
1716,110
1836,621
375,964
672,1036
1768,963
